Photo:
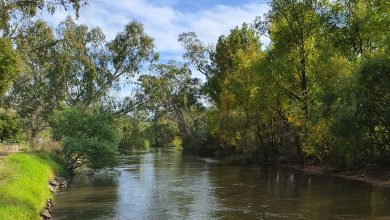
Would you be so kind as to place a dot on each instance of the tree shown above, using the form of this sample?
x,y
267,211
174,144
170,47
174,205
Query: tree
x,y
172,92
95,67
162,132
358,27
196,52
9,65
373,98
234,59
363,125
298,26
87,137
133,131
15,12
10,126
75,66
36,92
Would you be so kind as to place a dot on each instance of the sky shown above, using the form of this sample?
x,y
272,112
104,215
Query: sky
x,y
164,20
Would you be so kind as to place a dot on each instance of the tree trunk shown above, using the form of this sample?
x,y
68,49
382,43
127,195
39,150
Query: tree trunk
x,y
33,138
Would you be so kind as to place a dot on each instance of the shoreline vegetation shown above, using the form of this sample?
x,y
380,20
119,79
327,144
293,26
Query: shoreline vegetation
x,y
24,179
374,174
317,94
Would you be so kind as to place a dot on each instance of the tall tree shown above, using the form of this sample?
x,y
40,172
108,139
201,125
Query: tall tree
x,y
296,47
359,26
9,65
95,67
35,93
15,12
172,92
76,66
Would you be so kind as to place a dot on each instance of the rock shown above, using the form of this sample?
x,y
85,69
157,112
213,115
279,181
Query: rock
x,y
54,186
53,183
50,203
45,214
53,189
62,182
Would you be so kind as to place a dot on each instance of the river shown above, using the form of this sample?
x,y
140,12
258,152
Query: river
x,y
165,184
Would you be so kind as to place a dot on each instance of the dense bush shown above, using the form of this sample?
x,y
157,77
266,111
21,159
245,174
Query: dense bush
x,y
10,126
88,137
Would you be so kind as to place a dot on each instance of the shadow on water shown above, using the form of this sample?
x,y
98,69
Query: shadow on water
x,y
164,184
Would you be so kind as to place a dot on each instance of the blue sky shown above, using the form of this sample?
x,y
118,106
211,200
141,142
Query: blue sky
x,y
164,20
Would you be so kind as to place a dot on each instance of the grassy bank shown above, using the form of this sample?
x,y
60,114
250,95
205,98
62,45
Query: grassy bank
x,y
24,184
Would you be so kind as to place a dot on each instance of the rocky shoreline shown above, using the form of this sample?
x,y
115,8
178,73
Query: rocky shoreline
x,y
54,186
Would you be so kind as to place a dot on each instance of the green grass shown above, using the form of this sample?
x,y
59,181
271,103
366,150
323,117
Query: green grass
x,y
24,184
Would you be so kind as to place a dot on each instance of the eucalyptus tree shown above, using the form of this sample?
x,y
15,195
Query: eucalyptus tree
x,y
94,66
9,65
196,52
172,93
75,65
15,12
36,92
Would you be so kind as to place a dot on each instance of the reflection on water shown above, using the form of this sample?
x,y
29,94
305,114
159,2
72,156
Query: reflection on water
x,y
165,184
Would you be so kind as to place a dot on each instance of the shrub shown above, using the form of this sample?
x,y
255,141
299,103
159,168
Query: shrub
x,y
87,137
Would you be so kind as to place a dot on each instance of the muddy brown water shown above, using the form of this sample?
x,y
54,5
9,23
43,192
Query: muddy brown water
x,y
165,184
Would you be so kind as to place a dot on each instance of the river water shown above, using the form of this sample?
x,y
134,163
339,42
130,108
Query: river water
x,y
165,184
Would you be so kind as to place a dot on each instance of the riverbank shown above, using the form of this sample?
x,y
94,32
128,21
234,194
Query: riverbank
x,y
24,181
373,174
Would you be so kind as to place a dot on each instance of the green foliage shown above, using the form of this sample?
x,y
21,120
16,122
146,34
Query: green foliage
x,y
36,92
24,189
172,97
366,126
87,137
373,98
177,143
12,13
10,126
161,133
9,65
76,65
359,27
133,133
318,94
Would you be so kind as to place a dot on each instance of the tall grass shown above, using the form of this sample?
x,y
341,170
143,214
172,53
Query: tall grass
x,y
24,184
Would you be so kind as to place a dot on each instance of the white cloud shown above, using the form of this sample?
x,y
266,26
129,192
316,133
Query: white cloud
x,y
163,22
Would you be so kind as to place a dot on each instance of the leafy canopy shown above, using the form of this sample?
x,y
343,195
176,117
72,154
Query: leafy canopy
x,y
87,137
